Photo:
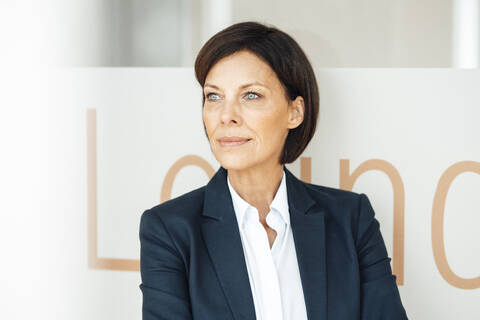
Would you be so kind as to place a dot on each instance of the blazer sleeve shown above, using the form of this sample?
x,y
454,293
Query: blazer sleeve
x,y
164,283
380,298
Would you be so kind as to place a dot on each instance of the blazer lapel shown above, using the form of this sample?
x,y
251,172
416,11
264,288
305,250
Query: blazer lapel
x,y
223,242
307,220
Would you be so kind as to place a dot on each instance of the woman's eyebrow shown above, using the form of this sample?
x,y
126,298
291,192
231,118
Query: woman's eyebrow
x,y
241,87
253,83
211,85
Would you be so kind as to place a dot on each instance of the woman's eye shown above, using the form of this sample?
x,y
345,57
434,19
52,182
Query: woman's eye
x,y
212,94
252,95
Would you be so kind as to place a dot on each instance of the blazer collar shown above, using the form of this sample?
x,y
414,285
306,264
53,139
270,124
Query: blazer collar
x,y
223,242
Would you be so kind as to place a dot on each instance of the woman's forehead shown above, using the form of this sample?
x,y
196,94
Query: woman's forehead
x,y
240,70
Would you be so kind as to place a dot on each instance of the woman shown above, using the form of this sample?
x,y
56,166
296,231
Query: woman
x,y
256,242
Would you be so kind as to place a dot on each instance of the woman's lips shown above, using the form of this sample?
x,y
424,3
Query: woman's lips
x,y
232,141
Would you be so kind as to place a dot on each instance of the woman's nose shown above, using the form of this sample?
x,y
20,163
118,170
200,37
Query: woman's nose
x,y
230,112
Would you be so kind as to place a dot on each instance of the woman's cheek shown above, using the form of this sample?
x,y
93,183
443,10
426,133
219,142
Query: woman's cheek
x,y
209,124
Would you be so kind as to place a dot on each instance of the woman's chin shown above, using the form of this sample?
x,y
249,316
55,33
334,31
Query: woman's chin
x,y
235,162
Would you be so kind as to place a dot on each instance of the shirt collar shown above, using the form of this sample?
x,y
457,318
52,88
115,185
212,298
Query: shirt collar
x,y
279,203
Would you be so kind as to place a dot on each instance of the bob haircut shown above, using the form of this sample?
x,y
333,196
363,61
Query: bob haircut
x,y
287,60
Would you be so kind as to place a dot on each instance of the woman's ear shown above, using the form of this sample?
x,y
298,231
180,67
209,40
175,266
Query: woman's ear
x,y
296,111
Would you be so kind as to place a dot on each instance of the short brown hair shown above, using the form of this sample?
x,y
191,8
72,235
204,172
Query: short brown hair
x,y
287,60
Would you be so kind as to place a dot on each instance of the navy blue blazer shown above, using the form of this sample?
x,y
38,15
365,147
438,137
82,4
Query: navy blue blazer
x,y
193,267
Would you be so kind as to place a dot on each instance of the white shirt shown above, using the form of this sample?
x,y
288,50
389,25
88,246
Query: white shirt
x,y
273,273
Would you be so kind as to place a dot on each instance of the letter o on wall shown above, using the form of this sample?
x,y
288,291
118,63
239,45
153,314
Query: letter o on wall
x,y
438,214
188,160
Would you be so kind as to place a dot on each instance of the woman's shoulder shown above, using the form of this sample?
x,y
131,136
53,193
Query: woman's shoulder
x,y
343,206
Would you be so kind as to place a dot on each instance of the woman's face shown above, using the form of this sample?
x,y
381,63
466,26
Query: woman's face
x,y
246,113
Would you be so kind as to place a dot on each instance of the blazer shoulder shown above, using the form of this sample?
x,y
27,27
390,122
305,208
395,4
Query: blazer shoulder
x,y
343,207
183,206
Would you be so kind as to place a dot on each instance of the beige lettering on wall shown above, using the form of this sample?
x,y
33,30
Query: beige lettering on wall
x,y
306,169
94,261
188,160
347,181
438,214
